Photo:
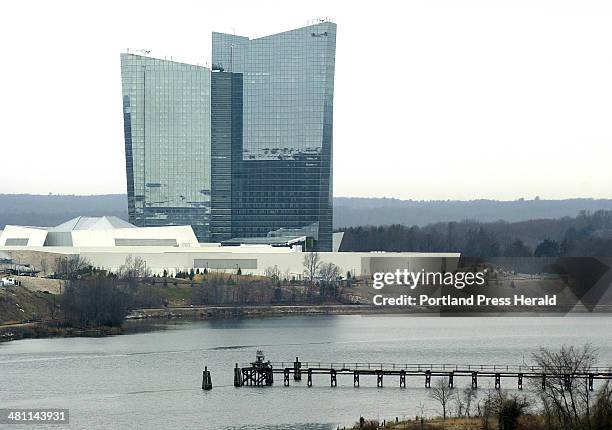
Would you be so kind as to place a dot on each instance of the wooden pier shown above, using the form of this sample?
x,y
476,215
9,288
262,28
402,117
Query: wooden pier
x,y
261,373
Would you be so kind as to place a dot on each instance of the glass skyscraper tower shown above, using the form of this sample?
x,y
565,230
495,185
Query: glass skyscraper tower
x,y
166,117
242,152
282,173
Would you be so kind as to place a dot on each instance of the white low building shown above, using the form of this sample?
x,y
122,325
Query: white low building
x,y
88,232
106,242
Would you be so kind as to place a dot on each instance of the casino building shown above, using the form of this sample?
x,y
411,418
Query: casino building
x,y
239,151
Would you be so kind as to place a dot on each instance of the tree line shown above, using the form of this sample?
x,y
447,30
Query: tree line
x,y
94,297
588,234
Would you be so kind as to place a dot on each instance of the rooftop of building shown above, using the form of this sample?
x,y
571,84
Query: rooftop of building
x,y
311,23
270,241
92,223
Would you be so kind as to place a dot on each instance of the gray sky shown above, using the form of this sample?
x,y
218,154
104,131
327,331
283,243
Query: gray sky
x,y
434,99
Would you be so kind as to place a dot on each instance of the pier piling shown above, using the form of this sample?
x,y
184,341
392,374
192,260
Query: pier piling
x,y
297,372
206,379
237,376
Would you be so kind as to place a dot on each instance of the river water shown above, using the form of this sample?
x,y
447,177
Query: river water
x,y
152,380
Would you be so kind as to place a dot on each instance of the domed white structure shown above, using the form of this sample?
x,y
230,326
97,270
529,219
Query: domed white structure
x,y
102,231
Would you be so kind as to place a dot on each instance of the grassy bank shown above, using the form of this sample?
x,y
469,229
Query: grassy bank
x,y
21,305
528,422
40,330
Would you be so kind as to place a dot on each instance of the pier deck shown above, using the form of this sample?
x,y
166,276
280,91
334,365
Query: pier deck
x,y
262,373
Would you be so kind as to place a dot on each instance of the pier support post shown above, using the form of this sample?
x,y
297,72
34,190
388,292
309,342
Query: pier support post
x,y
428,379
297,372
474,380
237,376
206,379
450,379
544,381
379,378
310,377
355,379
334,381
520,381
402,378
497,381
245,376
286,377
591,381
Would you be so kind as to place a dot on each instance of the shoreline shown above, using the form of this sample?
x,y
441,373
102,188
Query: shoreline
x,y
230,311
254,311
51,329
42,330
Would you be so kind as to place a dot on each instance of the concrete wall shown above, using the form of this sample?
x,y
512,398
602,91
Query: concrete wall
x,y
34,236
251,260
183,235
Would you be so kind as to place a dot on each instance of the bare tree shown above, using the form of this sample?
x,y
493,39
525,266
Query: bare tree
x,y
566,399
486,408
44,266
311,263
469,395
509,409
443,394
329,273
422,413
273,272
459,401
71,266
133,269
602,408
95,302
286,275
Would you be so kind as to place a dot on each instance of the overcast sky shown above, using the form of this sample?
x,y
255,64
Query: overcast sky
x,y
434,99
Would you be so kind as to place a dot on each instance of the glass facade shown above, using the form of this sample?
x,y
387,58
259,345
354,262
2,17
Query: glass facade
x,y
282,165
226,135
167,129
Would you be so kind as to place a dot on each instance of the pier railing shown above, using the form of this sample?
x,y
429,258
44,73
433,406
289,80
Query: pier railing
x,y
261,373
434,367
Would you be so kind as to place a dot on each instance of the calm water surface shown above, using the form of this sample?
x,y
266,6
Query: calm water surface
x,y
152,380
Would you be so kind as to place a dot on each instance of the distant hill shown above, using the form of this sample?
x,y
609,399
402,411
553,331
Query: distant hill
x,y
355,211
49,210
